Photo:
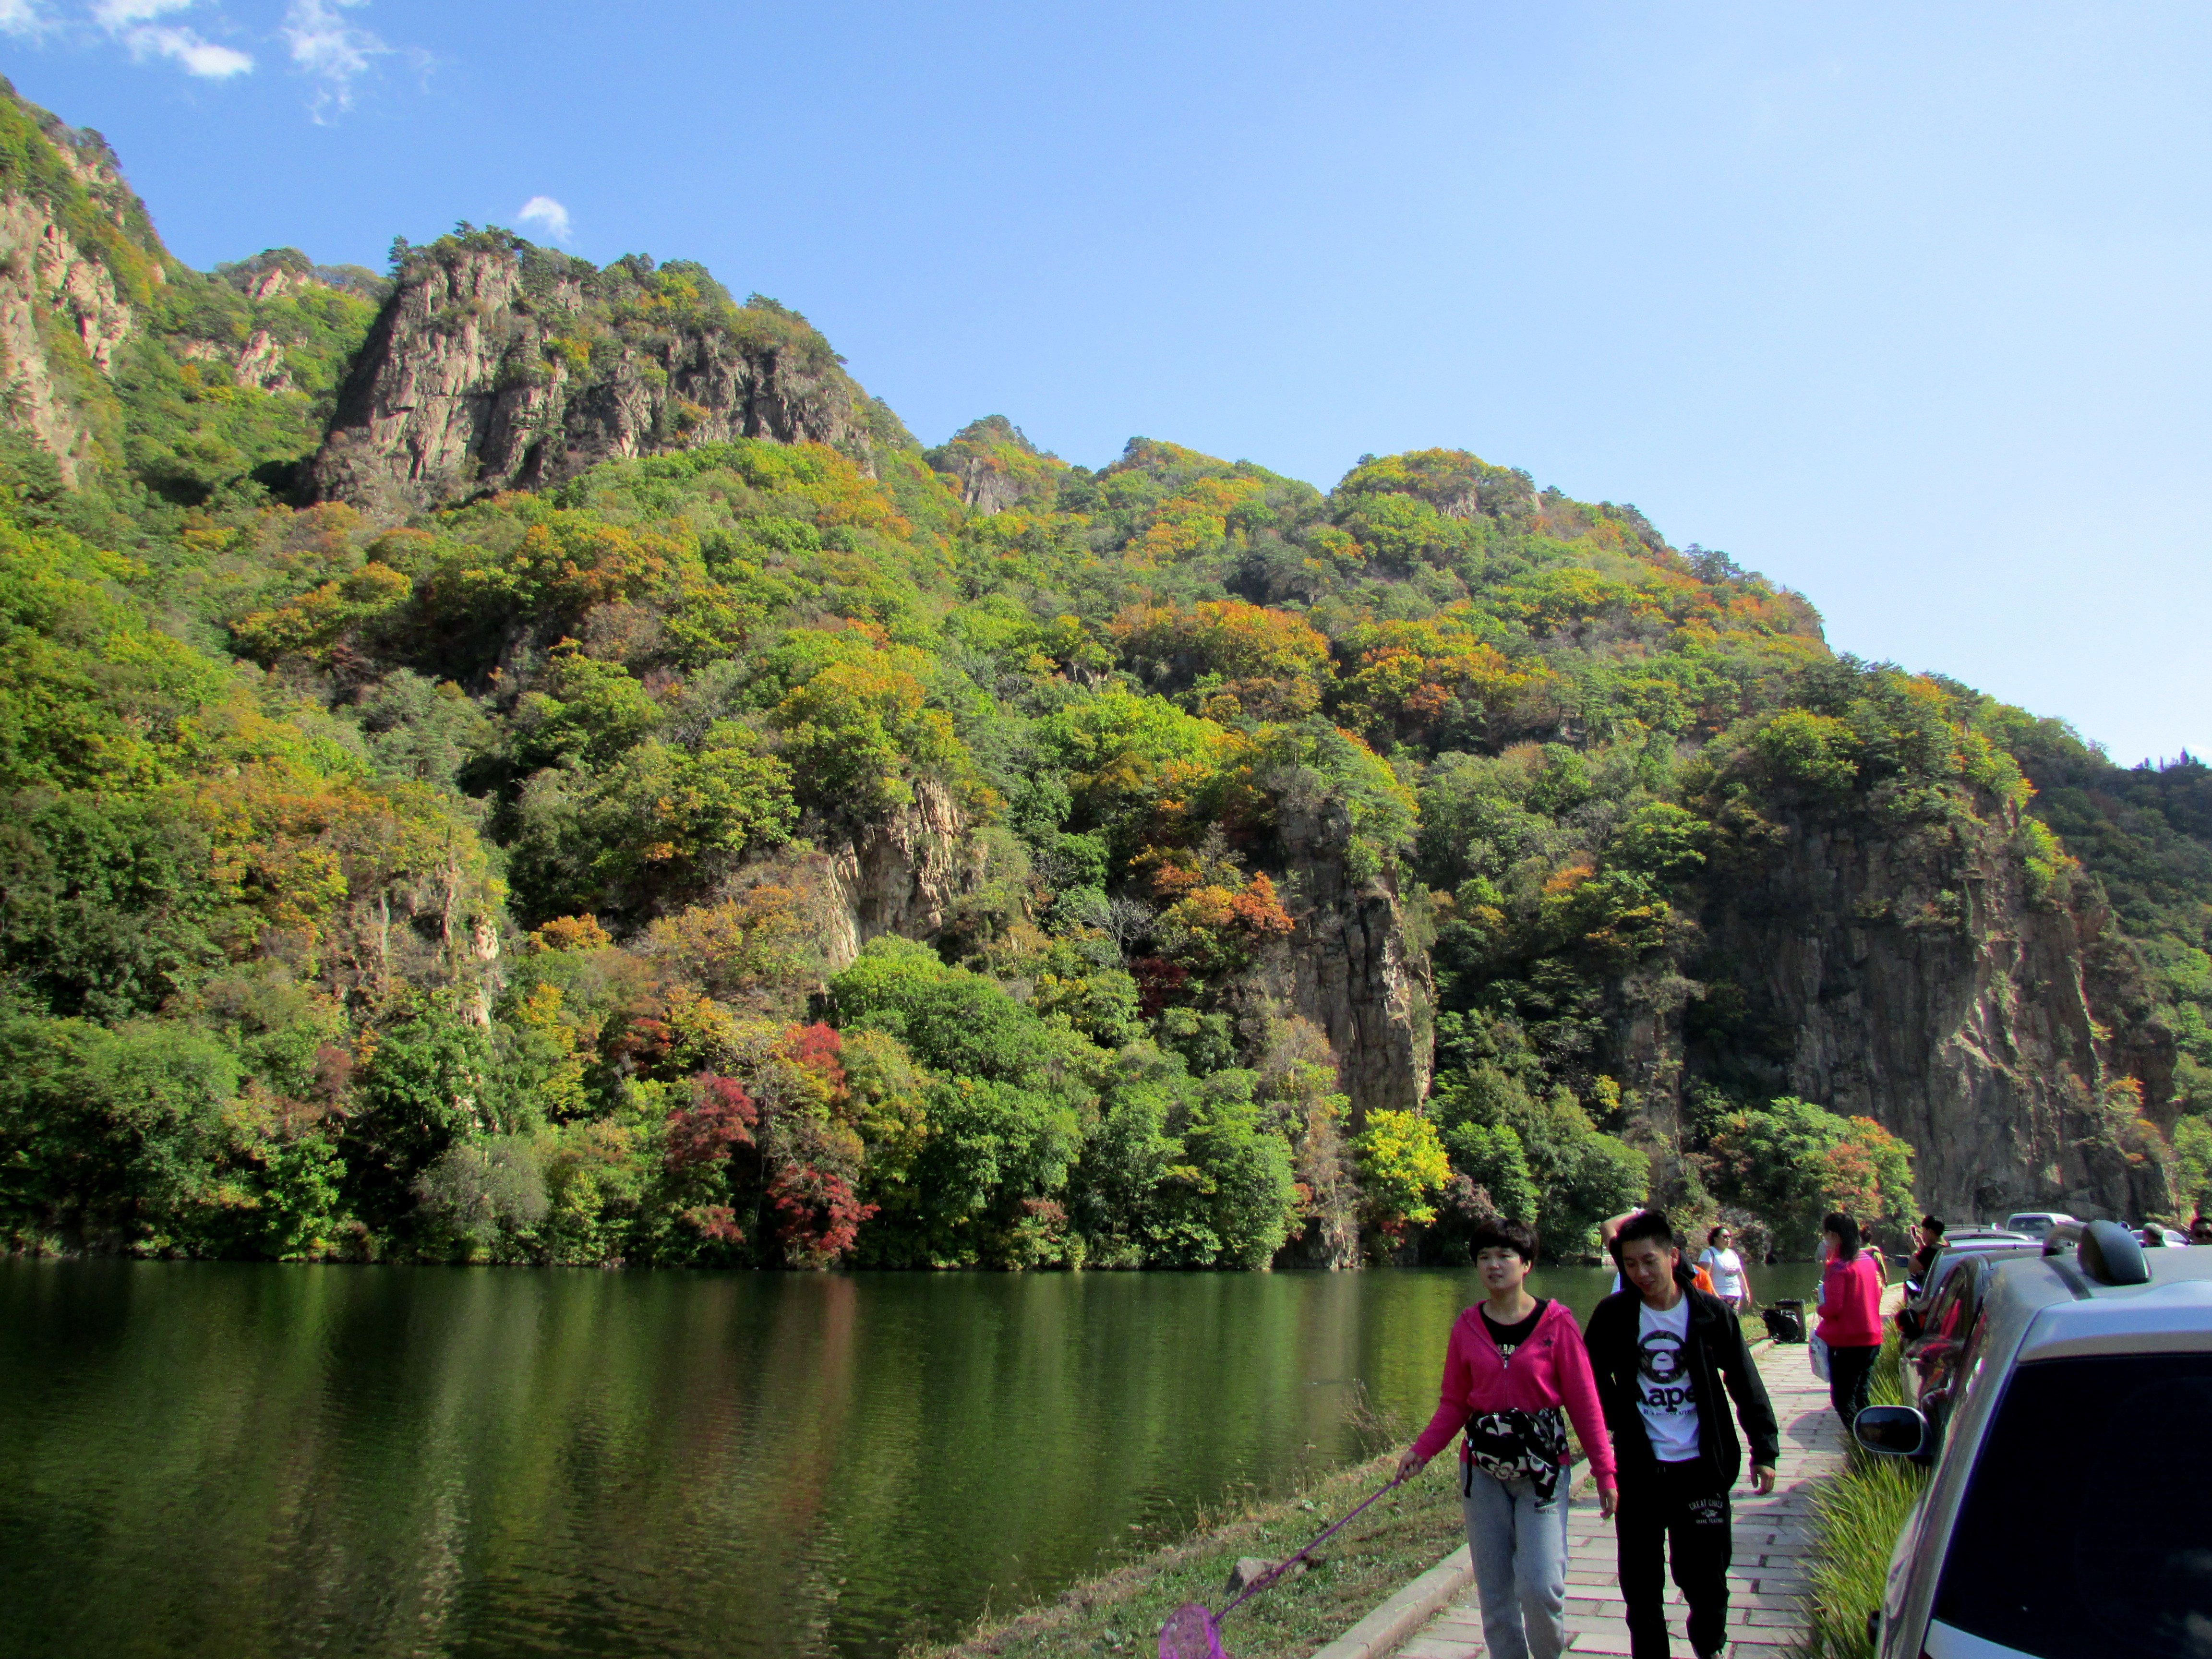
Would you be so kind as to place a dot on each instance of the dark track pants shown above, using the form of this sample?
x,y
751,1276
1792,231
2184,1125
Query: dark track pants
x,y
1681,1511
1850,1373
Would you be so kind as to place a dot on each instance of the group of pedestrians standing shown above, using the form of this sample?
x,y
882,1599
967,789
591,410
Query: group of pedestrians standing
x,y
1648,1388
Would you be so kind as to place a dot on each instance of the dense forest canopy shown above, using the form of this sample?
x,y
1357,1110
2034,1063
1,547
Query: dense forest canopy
x,y
487,881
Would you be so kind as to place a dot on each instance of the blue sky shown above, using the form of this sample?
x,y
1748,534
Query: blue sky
x,y
1904,306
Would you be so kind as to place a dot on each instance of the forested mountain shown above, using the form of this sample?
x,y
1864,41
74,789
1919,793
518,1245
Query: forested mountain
x,y
515,760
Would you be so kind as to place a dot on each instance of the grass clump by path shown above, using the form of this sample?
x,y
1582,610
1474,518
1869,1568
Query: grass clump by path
x,y
1118,1614
1857,1516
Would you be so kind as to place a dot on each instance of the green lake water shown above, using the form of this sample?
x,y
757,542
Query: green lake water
x,y
254,1461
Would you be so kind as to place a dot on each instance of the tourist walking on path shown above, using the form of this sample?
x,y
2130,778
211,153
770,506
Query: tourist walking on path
x,y
1725,1268
1850,1316
1511,1365
1668,1359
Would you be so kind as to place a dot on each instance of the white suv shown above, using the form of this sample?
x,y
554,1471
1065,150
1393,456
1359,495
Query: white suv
x,y
2067,1516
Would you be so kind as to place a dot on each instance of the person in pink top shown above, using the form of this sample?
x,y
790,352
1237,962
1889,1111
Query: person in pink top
x,y
1511,1366
1850,1316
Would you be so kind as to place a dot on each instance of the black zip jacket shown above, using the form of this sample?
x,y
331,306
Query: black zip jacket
x,y
1718,1357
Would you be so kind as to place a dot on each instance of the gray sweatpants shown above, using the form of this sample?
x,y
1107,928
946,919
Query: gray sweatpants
x,y
1520,1550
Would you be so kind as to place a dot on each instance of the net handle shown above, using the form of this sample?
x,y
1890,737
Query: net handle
x,y
1275,1573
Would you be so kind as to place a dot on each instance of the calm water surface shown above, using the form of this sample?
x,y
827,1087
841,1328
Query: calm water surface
x,y
253,1461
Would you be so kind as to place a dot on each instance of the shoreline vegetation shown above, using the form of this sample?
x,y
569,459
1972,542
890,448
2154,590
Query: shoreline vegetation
x,y
1119,1611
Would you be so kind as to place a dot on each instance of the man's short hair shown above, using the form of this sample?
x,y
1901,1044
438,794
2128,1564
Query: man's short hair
x,y
1932,1223
1504,1233
1645,1224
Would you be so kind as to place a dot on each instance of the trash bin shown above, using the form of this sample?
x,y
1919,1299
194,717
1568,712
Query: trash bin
x,y
1785,1320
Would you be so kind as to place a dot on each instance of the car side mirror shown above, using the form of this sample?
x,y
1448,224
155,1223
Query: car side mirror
x,y
1892,1431
1908,1323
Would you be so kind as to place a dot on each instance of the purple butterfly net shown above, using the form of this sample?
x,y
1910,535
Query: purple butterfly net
x,y
1191,1632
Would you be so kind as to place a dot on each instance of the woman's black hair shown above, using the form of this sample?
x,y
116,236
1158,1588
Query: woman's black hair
x,y
1504,1233
1717,1232
1846,1232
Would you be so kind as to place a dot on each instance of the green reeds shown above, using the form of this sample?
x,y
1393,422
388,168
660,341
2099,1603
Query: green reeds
x,y
1857,1516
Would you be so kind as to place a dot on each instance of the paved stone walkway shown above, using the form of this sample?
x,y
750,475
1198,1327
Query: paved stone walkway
x,y
1766,1584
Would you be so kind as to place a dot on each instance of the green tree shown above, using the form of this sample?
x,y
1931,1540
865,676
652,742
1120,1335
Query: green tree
x,y
1242,1183
1492,1159
1794,1162
426,1086
1401,1166
2192,1157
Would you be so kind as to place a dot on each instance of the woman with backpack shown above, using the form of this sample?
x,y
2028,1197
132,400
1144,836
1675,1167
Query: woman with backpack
x,y
1513,1366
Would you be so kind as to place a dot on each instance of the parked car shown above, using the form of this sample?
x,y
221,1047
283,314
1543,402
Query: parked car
x,y
1936,1326
2038,1224
1920,1289
2066,1506
2164,1237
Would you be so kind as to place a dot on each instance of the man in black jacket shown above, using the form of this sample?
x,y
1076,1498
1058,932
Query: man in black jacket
x,y
1662,1352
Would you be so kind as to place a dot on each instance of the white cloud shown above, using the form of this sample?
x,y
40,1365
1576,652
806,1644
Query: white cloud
x,y
198,57
131,21
116,16
22,17
326,48
544,211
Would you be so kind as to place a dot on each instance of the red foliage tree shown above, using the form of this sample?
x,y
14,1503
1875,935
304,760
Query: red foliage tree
x,y
820,1215
816,1048
721,1118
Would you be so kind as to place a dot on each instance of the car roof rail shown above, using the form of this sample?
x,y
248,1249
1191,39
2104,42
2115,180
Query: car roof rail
x,y
2110,1253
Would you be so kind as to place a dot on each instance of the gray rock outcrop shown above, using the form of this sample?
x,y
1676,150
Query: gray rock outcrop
x,y
46,279
1348,968
497,365
1907,974
901,874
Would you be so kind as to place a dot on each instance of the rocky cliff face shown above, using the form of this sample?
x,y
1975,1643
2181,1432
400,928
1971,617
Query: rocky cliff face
x,y
494,365
996,467
902,875
1348,968
1907,974
55,296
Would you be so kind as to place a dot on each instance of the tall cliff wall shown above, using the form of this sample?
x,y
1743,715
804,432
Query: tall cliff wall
x,y
902,874
494,365
1349,968
1908,974
61,322
79,264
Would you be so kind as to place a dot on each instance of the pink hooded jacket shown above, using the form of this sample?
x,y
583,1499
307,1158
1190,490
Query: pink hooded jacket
x,y
1552,1368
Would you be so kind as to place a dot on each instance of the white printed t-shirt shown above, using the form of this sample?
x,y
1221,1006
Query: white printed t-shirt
x,y
1727,1268
1662,1381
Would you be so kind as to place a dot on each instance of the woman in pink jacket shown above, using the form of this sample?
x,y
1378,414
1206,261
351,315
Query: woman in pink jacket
x,y
1512,1365
1850,1316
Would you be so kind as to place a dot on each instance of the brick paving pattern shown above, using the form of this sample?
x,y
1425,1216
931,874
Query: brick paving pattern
x,y
1766,1582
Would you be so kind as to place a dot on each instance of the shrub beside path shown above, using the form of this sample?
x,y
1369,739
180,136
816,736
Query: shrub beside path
x,y
1773,1540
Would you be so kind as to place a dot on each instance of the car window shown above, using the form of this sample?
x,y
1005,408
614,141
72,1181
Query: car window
x,y
1947,1315
2092,1476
